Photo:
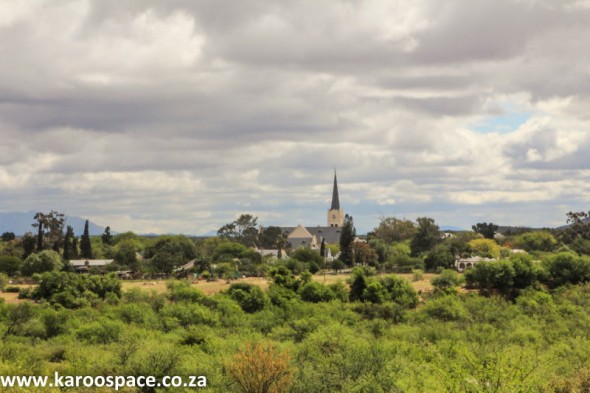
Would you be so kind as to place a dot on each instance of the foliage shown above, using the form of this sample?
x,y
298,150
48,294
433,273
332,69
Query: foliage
x,y
439,256
3,282
566,268
535,241
85,244
347,236
10,265
269,237
50,230
426,237
243,230
307,255
393,229
44,261
486,248
249,297
7,236
446,280
486,230
316,292
74,290
261,368
107,237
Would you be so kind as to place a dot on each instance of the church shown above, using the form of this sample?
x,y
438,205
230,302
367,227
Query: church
x,y
312,237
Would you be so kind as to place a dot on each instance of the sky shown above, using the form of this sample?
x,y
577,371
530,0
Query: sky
x,y
177,116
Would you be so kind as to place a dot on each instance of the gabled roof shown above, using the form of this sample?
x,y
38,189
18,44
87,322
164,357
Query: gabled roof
x,y
300,233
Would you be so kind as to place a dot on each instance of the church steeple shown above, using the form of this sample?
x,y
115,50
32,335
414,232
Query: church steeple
x,y
335,199
335,214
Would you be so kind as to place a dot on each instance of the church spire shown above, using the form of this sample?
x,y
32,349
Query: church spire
x,y
335,199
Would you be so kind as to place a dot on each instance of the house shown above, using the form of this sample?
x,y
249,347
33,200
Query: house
x,y
463,264
83,265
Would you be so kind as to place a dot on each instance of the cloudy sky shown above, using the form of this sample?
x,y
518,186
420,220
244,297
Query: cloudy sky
x,y
178,115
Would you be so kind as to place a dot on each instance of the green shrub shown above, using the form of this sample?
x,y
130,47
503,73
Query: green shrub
x,y
12,289
316,292
250,297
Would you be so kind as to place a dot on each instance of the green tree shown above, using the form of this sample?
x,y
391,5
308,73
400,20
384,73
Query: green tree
x,y
347,236
268,237
486,248
8,236
106,237
486,230
29,242
536,241
427,236
50,230
69,244
243,230
393,229
10,265
85,243
44,261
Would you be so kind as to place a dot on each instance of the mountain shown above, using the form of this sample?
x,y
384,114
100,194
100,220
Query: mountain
x,y
20,223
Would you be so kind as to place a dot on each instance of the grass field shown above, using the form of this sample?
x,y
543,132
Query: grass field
x,y
213,287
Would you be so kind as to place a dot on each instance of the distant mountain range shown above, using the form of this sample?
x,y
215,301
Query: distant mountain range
x,y
20,223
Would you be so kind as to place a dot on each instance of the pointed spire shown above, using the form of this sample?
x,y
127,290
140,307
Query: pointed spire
x,y
335,199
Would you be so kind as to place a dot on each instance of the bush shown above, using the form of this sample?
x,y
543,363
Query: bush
x,y
566,268
12,289
447,279
446,308
316,292
250,297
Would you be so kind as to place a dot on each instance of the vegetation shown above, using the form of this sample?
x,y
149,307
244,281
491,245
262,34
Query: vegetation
x,y
520,323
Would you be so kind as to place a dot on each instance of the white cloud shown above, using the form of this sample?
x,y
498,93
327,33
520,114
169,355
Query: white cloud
x,y
176,116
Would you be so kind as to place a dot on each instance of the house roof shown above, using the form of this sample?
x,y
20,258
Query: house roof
x,y
90,262
299,232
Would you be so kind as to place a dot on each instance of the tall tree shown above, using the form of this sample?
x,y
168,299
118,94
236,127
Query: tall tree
x,y
106,237
393,229
347,236
427,236
243,230
69,244
486,230
50,230
28,244
85,244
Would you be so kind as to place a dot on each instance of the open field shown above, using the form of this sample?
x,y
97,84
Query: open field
x,y
213,287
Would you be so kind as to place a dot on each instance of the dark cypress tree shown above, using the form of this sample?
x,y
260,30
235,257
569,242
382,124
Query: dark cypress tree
x,y
346,238
75,249
85,245
40,238
69,243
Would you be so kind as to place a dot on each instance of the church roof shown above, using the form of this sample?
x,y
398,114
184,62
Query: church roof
x,y
331,234
335,199
300,232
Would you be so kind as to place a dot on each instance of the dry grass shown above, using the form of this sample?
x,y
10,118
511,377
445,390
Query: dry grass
x,y
12,298
208,287
213,287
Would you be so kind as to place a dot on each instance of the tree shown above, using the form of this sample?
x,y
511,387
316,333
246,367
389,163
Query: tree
x,y
28,244
50,230
486,230
243,230
44,261
426,237
577,233
85,244
10,264
363,254
8,236
486,248
268,237
393,229
347,236
536,241
69,244
106,237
